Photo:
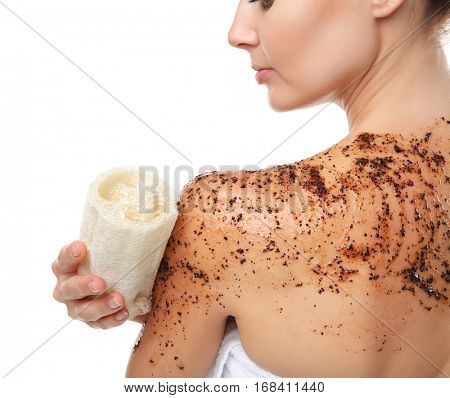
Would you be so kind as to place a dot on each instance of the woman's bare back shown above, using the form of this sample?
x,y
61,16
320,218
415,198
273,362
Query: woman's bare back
x,y
338,265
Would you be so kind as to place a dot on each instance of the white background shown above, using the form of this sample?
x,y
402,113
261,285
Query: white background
x,y
170,63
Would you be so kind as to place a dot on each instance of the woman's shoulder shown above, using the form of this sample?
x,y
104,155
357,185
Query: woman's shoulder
x,y
374,210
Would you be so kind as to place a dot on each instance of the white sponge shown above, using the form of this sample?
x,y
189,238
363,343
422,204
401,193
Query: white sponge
x,y
126,245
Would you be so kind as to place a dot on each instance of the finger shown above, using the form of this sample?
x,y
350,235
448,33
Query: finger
x,y
110,321
69,258
80,286
93,325
92,309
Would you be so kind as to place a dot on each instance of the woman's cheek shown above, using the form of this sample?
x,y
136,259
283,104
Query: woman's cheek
x,y
316,62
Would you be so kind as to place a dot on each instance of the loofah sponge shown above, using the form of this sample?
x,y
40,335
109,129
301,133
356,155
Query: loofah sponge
x,y
126,245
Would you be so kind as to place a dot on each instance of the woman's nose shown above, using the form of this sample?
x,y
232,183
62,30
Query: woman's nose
x,y
243,37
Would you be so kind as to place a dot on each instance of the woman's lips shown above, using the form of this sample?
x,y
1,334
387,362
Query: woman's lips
x,y
263,75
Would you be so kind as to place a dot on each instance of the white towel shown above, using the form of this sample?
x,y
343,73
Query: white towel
x,y
232,360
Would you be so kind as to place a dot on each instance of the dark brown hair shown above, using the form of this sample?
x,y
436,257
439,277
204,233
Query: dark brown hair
x,y
437,15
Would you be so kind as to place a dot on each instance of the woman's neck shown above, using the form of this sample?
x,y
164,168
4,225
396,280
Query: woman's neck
x,y
403,91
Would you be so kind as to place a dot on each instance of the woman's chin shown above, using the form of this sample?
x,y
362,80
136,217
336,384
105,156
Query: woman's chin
x,y
285,100
281,102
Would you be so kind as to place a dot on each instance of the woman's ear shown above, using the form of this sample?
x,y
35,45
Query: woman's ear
x,y
384,8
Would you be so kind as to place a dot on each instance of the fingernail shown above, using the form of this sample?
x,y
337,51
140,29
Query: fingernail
x,y
114,303
92,287
75,249
121,315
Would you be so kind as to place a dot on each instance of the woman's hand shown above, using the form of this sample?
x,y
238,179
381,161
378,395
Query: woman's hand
x,y
84,294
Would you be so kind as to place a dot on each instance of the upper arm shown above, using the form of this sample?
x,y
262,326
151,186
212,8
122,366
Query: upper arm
x,y
184,328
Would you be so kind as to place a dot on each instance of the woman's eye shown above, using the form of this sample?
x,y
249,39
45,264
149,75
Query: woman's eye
x,y
265,4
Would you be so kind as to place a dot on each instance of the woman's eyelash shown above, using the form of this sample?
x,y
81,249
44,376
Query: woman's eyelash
x,y
265,4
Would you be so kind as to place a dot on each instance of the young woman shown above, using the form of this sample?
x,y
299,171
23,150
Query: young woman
x,y
336,265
